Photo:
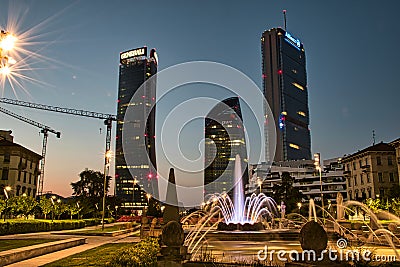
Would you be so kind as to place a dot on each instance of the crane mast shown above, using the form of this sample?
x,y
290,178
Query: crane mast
x,y
45,130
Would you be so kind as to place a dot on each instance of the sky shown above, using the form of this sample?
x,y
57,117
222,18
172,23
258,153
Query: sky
x,y
351,53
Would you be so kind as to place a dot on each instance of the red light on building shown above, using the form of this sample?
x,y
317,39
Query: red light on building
x,y
150,176
280,72
118,100
264,76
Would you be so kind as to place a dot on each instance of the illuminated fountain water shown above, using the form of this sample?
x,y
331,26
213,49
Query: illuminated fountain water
x,y
242,211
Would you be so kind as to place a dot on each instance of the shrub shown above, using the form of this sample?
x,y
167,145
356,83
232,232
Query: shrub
x,y
32,226
142,254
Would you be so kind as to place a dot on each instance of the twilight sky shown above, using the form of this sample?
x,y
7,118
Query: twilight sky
x,y
351,49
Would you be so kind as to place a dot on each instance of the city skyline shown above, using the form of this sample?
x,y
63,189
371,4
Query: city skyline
x,y
343,63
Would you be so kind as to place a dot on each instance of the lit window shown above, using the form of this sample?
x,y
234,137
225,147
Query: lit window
x,y
294,146
284,113
294,71
301,113
298,86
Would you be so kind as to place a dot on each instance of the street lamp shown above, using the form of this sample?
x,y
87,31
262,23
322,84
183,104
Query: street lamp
x,y
317,163
107,158
259,182
299,205
6,190
7,43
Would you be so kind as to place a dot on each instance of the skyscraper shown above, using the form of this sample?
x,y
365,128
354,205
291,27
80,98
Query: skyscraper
x,y
225,138
132,177
285,88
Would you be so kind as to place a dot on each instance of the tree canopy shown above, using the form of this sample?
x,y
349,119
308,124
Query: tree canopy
x,y
284,191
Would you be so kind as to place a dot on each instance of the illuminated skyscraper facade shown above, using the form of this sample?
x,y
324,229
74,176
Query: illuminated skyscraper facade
x,y
225,138
285,88
135,69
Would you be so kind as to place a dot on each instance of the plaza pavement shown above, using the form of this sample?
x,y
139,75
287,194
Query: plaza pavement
x,y
91,242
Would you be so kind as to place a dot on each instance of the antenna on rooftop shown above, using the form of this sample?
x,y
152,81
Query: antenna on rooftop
x,y
284,17
373,137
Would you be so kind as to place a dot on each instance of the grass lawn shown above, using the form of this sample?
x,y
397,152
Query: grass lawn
x,y
106,229
7,244
99,256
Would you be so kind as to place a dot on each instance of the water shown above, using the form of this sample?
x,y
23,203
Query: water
x,y
243,210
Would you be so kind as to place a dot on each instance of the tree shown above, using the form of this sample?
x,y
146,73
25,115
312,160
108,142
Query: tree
x,y
59,208
396,206
2,205
154,208
73,208
285,192
89,190
22,205
394,191
46,206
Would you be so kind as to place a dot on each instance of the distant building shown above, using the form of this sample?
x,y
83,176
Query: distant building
x,y
19,167
371,172
225,138
307,180
396,145
135,68
285,89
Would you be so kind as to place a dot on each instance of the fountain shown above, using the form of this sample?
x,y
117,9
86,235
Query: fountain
x,y
243,213
250,221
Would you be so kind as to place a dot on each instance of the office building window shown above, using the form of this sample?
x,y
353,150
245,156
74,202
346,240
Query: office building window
x,y
355,180
378,160
368,179
390,162
354,165
380,177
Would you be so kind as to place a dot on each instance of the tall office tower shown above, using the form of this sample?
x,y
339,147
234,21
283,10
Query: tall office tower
x,y
285,88
132,179
225,138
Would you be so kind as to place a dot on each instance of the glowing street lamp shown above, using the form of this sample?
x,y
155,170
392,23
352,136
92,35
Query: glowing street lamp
x,y
259,182
299,205
6,190
7,41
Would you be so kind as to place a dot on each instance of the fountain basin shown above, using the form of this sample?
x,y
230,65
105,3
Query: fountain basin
x,y
258,226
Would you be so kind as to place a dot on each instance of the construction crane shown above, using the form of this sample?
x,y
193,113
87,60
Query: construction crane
x,y
45,130
108,118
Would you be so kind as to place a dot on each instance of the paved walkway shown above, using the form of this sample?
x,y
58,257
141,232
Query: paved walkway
x,y
91,242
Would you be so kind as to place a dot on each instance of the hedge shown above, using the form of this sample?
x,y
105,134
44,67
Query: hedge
x,y
32,226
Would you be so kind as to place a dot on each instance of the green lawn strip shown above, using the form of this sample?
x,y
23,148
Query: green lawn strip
x,y
7,244
99,256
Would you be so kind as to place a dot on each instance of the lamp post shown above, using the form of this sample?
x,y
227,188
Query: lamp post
x,y
107,158
259,182
317,163
6,190
54,206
